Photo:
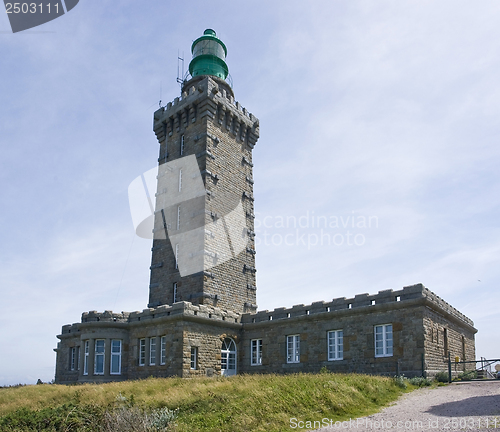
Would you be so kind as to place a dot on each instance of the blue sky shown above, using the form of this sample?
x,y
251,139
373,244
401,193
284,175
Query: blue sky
x,y
384,109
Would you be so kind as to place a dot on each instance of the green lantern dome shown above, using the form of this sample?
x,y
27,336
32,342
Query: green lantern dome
x,y
209,56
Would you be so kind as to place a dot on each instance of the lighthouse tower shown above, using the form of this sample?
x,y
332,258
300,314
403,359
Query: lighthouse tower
x,y
203,247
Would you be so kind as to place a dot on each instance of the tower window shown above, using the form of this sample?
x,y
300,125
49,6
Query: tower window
x,y
178,217
182,145
175,292
176,256
180,180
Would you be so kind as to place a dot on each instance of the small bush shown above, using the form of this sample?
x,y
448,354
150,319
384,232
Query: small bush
x,y
133,419
466,376
420,382
441,377
401,381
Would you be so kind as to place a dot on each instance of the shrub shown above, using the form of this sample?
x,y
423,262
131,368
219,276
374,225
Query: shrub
x,y
401,381
420,382
133,419
465,376
441,377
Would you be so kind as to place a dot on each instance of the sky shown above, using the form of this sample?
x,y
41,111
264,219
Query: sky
x,y
381,118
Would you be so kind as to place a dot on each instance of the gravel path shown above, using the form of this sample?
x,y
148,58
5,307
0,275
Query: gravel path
x,y
459,406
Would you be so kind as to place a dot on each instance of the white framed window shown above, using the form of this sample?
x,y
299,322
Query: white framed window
x,y
178,217
335,345
72,359
86,359
383,340
116,357
293,349
142,352
99,357
78,358
176,256
175,292
180,180
194,358
163,350
256,352
182,145
152,351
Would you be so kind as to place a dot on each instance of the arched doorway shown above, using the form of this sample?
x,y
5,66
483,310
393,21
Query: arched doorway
x,y
228,357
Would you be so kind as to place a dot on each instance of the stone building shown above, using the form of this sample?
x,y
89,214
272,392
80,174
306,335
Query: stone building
x,y
202,317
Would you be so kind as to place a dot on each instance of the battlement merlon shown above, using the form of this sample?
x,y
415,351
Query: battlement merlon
x,y
386,297
206,96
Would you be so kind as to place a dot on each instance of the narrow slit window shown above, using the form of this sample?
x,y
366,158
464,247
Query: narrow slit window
x,y
163,350
178,217
194,358
182,145
86,359
175,292
180,180
142,352
152,351
176,256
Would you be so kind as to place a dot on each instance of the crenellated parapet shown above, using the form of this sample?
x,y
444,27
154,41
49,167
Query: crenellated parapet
x,y
179,309
206,96
359,302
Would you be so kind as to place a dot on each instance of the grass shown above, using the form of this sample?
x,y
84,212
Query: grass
x,y
241,403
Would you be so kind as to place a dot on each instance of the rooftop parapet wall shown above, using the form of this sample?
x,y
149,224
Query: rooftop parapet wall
x,y
359,301
217,314
152,314
205,96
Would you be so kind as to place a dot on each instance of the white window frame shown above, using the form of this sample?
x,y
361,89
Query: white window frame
x,y
194,358
175,292
385,339
176,256
163,350
142,352
256,352
182,145
152,351
86,359
98,354
335,345
116,355
293,348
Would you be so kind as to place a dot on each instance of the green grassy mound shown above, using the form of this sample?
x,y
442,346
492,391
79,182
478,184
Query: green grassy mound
x,y
241,403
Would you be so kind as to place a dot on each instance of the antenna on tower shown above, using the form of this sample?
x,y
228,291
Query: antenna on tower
x,y
159,103
180,68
